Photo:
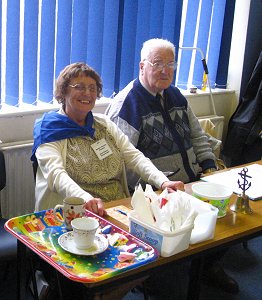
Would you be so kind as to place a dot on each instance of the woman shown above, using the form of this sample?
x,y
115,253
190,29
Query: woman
x,y
83,155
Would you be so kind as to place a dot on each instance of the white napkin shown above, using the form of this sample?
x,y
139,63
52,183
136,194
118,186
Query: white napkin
x,y
168,212
149,193
183,214
142,206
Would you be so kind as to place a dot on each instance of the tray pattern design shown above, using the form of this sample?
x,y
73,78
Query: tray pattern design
x,y
40,232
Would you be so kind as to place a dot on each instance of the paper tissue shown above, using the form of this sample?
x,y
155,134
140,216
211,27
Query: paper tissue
x,y
164,221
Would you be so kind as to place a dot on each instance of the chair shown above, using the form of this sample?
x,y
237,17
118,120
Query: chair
x,y
35,166
8,245
42,265
214,133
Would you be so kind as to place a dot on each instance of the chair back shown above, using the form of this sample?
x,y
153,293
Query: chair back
x,y
35,166
2,171
8,245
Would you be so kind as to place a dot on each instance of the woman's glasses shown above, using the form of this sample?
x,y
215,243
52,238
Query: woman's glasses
x,y
80,87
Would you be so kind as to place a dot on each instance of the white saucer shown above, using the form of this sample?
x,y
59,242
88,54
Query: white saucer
x,y
66,241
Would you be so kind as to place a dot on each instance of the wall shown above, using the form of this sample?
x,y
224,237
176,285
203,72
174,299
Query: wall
x,y
238,42
15,128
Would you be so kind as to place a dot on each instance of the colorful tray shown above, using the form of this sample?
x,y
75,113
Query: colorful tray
x,y
40,232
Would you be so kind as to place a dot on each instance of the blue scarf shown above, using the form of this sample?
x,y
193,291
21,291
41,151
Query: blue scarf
x,y
53,126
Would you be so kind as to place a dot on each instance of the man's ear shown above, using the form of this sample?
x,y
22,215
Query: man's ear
x,y
141,66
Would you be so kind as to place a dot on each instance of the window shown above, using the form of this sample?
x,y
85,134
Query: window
x,y
205,34
39,38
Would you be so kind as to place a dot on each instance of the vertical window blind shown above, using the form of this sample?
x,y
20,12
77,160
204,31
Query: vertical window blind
x,y
40,37
205,34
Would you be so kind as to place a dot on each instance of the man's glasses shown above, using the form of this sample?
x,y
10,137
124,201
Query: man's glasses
x,y
159,66
80,87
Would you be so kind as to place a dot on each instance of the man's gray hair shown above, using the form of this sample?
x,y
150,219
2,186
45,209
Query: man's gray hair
x,y
150,45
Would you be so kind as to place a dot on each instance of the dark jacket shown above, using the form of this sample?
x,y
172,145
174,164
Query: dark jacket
x,y
245,125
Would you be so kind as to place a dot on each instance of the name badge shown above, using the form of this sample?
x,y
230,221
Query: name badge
x,y
101,148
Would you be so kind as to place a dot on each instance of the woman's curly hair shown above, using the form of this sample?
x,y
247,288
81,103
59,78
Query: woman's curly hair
x,y
73,71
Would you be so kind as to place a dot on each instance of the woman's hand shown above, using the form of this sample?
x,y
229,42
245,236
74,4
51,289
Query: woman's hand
x,y
96,206
173,186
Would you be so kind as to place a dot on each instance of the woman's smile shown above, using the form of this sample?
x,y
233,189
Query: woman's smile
x,y
85,101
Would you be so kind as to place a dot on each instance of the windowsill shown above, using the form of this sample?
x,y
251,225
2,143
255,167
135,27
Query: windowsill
x,y
26,109
101,104
200,93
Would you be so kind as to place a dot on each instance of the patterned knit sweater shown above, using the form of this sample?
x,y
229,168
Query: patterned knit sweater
x,y
168,133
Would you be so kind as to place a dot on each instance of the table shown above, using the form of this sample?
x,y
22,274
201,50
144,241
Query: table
x,y
231,229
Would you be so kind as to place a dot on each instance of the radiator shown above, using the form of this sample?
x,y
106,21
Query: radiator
x,y
18,197
213,125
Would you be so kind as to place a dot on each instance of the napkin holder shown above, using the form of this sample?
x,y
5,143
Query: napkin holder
x,y
170,243
167,243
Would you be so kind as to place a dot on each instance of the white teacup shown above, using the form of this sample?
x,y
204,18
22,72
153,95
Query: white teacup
x,y
73,207
84,231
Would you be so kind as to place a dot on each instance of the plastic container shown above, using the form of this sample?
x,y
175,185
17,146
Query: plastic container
x,y
167,243
216,194
205,221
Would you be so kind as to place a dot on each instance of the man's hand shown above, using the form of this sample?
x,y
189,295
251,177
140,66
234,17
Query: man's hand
x,y
210,170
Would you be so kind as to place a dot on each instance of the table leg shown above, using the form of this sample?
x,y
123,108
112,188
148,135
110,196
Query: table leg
x,y
116,292
21,274
59,287
32,273
193,291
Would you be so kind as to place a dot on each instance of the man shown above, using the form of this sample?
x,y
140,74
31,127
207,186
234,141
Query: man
x,y
158,119
159,122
